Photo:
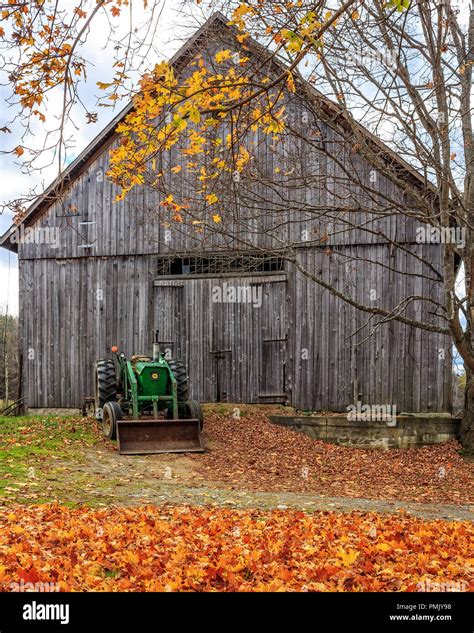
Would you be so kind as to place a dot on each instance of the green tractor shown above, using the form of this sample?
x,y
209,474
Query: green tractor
x,y
145,405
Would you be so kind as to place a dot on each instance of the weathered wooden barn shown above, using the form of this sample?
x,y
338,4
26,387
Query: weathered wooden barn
x,y
249,325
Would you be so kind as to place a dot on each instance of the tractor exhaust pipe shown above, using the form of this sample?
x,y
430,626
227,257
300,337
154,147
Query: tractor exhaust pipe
x,y
156,346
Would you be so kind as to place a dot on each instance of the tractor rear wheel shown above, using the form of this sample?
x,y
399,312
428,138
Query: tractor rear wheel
x,y
105,382
110,414
188,410
179,370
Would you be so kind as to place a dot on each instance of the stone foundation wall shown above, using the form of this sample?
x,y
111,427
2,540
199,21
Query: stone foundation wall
x,y
409,430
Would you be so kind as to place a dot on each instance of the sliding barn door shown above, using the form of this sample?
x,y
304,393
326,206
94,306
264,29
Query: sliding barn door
x,y
231,332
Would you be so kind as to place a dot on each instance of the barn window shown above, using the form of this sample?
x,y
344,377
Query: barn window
x,y
219,264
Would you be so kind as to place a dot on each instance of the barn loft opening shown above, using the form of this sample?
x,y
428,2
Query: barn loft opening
x,y
219,264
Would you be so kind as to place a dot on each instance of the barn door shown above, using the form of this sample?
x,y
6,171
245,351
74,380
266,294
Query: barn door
x,y
273,342
222,334
235,350
169,318
248,340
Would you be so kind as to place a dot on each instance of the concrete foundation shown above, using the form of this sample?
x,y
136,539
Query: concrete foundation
x,y
406,431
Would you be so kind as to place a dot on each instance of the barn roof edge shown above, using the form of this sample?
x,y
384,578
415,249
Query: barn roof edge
x,y
74,169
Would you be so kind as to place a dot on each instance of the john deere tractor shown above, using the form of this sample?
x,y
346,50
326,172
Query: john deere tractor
x,y
145,405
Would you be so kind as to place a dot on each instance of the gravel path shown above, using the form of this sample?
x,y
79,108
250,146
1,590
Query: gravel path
x,y
176,493
100,478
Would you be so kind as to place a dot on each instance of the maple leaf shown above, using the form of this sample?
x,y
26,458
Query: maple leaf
x,y
168,200
29,576
222,56
194,115
19,151
216,218
115,11
79,12
290,82
383,547
349,557
212,198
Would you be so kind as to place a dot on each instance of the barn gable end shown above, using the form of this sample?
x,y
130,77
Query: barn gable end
x,y
273,335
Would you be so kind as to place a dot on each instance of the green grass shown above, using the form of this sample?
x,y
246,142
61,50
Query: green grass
x,y
28,442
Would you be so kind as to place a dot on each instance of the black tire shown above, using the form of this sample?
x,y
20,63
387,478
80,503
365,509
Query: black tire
x,y
188,410
191,410
179,370
111,412
105,382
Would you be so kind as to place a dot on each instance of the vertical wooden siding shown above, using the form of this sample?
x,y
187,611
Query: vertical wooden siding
x,y
302,341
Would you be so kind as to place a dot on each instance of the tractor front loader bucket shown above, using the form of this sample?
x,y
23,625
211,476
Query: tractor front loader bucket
x,y
142,437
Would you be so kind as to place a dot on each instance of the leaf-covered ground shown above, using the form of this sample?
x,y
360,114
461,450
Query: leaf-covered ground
x,y
251,452
44,459
198,549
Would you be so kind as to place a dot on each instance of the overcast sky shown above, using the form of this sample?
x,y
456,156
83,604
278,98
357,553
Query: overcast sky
x,y
176,23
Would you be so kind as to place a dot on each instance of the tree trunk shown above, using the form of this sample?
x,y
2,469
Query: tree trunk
x,y
467,424
7,381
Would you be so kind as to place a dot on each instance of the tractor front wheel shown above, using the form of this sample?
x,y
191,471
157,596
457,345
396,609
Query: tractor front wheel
x,y
110,414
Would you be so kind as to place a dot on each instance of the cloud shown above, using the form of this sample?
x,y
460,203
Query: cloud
x,y
175,26
8,283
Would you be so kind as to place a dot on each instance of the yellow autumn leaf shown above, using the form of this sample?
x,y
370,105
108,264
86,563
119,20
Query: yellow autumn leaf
x,y
194,115
383,547
349,557
176,169
179,123
242,10
216,218
290,82
223,55
212,198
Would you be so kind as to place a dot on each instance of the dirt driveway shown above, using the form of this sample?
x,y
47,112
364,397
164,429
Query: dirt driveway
x,y
248,462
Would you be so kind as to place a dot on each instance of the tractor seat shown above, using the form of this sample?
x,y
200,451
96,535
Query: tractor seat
x,y
137,358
